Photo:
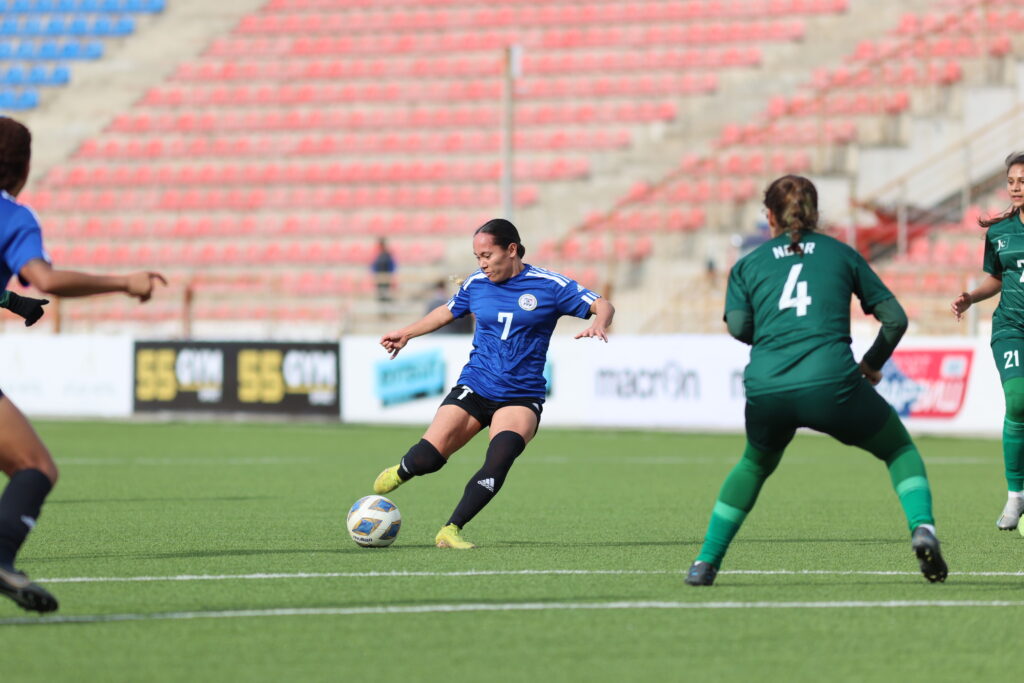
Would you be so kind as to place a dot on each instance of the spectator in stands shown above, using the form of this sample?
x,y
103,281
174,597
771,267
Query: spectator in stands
x,y
441,297
1004,246
383,268
790,299
23,457
502,386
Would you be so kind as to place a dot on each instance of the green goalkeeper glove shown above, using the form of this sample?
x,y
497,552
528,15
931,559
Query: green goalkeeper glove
x,y
28,308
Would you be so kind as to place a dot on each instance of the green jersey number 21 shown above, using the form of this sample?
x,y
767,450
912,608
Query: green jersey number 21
x,y
794,294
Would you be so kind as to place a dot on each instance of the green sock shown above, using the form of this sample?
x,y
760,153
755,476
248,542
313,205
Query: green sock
x,y
1013,433
1013,454
735,500
911,483
893,446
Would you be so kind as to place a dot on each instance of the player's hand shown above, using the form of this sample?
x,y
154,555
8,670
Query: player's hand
x,y
597,331
28,308
141,284
393,342
870,374
960,305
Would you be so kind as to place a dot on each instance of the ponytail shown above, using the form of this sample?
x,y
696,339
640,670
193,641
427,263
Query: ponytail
x,y
793,200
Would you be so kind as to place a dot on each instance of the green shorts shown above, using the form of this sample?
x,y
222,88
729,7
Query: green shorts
x,y
1009,354
851,411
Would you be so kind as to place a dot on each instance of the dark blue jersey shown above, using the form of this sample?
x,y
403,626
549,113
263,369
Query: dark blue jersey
x,y
20,238
514,322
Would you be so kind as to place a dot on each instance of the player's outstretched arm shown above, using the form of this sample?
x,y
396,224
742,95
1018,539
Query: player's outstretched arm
x,y
395,341
988,288
894,326
28,308
603,313
50,280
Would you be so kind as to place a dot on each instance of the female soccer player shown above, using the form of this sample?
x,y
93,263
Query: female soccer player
x,y
790,299
1004,253
502,386
23,457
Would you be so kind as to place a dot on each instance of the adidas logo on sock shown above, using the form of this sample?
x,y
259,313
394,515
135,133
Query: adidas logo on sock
x,y
487,483
30,522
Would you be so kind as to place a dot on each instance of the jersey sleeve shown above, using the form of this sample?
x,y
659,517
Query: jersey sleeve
x,y
867,286
459,303
575,299
991,263
24,243
736,296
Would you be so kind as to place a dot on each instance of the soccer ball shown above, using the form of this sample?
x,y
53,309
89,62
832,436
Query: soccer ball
x,y
374,521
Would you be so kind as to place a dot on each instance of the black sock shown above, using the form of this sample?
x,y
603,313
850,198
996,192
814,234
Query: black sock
x,y
485,484
422,458
19,508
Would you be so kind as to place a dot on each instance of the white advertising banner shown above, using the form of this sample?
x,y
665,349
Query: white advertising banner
x,y
692,382
68,375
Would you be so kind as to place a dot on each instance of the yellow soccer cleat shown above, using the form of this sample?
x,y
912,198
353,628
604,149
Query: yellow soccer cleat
x,y
450,536
387,481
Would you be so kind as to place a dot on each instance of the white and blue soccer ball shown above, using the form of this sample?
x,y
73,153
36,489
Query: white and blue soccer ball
x,y
374,521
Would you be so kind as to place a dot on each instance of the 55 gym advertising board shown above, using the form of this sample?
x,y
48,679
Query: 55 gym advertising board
x,y
237,377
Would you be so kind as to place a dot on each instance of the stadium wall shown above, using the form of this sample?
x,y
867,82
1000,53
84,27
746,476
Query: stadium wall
x,y
941,385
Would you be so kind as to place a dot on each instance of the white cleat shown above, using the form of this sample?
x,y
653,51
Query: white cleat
x,y
1010,518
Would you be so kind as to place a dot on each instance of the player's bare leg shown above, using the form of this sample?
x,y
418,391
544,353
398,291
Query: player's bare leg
x,y
450,430
25,459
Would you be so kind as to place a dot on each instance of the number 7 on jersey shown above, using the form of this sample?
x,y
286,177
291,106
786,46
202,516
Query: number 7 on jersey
x,y
794,294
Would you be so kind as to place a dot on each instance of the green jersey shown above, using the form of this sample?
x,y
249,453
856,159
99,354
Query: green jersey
x,y
1004,260
800,305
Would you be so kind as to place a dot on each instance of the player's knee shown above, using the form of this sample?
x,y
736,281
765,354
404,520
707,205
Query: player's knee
x,y
760,462
32,458
502,451
1015,406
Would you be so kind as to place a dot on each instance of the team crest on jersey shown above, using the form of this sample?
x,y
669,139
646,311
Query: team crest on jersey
x,y
527,302
1000,244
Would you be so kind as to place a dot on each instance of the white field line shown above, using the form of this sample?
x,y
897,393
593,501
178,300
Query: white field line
x,y
503,607
486,572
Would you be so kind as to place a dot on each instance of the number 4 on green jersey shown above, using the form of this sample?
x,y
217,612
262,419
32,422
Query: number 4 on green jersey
x,y
794,294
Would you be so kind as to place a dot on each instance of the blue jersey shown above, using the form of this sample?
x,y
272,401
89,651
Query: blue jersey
x,y
20,238
514,322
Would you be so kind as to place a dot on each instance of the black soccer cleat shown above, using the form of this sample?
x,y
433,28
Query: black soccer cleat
x,y
27,595
926,547
701,574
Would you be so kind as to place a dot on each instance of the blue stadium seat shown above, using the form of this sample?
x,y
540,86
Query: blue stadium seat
x,y
88,6
154,6
21,6
61,75
33,26
67,6
92,50
14,75
46,6
102,26
38,75
70,49
125,26
26,50
6,49
49,50
78,27
55,26
26,99
9,27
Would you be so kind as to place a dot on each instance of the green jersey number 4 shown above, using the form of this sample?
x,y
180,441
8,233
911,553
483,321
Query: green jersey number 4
x,y
794,294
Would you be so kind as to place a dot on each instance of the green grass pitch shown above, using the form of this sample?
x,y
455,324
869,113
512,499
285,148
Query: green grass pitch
x,y
578,576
